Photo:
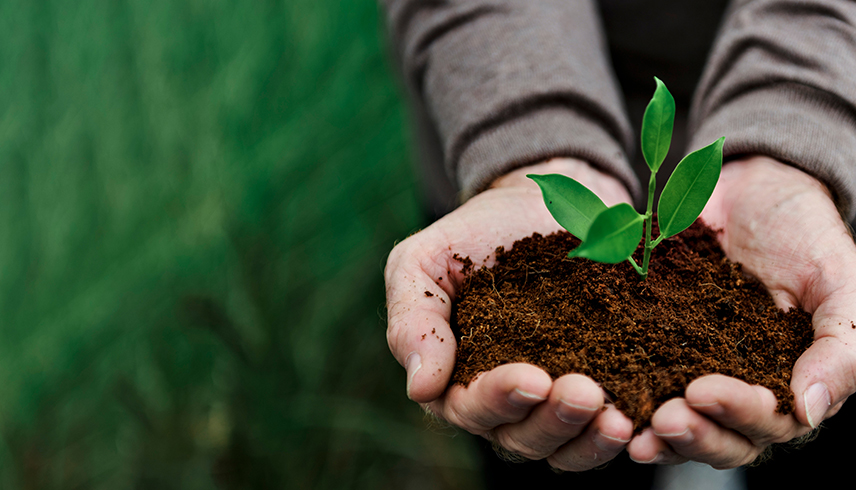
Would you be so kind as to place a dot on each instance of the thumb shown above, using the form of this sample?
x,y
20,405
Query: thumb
x,y
419,306
824,376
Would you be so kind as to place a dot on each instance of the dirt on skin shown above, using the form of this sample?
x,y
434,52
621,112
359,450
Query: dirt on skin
x,y
644,341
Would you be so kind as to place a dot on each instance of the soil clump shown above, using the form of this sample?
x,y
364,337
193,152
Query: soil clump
x,y
644,341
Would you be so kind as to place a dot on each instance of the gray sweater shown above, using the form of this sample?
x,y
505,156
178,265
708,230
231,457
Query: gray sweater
x,y
499,84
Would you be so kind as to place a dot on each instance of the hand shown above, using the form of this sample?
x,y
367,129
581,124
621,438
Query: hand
x,y
781,224
518,406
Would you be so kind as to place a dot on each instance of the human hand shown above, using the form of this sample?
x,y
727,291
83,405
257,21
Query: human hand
x,y
518,406
781,224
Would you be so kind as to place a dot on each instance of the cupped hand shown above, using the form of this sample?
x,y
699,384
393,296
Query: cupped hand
x,y
782,225
518,406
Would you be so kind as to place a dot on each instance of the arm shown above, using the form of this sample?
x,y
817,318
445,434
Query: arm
x,y
510,83
780,83
505,86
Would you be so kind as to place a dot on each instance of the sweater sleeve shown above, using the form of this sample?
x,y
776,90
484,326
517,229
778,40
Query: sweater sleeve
x,y
781,82
507,83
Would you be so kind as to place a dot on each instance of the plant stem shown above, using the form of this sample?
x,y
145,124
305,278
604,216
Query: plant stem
x,y
649,221
636,266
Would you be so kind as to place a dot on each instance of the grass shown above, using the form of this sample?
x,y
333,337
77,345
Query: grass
x,y
196,201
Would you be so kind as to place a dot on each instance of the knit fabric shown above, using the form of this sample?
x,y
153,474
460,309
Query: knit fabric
x,y
507,83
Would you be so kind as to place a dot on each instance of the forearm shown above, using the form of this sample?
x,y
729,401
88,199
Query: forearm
x,y
780,83
510,83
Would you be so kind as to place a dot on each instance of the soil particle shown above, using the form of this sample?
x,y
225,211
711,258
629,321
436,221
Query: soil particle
x,y
644,341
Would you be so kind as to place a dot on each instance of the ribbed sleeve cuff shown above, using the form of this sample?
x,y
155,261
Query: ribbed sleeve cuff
x,y
796,124
548,133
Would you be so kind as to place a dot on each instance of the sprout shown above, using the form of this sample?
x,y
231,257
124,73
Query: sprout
x,y
612,234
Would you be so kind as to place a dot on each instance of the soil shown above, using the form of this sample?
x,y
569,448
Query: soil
x,y
644,341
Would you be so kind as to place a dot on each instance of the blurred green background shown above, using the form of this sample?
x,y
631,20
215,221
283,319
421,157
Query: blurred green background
x,y
196,201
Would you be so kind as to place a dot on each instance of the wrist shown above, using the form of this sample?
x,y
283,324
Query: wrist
x,y
762,170
607,187
765,181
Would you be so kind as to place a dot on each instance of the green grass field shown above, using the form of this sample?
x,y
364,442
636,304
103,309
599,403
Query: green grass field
x,y
196,202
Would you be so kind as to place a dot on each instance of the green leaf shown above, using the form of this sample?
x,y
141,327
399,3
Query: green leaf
x,y
689,189
613,236
571,203
657,124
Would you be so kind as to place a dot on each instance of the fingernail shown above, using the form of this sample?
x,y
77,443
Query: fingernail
x,y
573,414
412,364
607,443
713,408
817,402
679,438
523,399
656,459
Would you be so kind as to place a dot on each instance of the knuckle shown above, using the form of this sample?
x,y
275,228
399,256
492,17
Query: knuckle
x,y
463,418
674,459
512,443
771,435
398,251
391,265
434,417
732,462
778,437
397,263
735,460
725,456
575,463
394,333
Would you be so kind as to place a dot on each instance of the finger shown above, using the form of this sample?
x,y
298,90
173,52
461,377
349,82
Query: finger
x,y
574,401
825,375
418,312
737,405
696,437
603,439
503,395
647,448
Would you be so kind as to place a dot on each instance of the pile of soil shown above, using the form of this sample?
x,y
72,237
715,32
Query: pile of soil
x,y
645,341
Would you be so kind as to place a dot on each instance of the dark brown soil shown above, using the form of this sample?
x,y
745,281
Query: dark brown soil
x,y
645,341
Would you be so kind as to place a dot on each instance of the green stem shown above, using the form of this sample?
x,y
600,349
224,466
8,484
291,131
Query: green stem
x,y
649,221
636,266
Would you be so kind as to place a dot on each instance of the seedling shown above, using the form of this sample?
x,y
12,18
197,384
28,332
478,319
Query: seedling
x,y
611,235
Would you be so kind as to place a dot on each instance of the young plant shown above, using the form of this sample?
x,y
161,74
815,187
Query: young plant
x,y
612,234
